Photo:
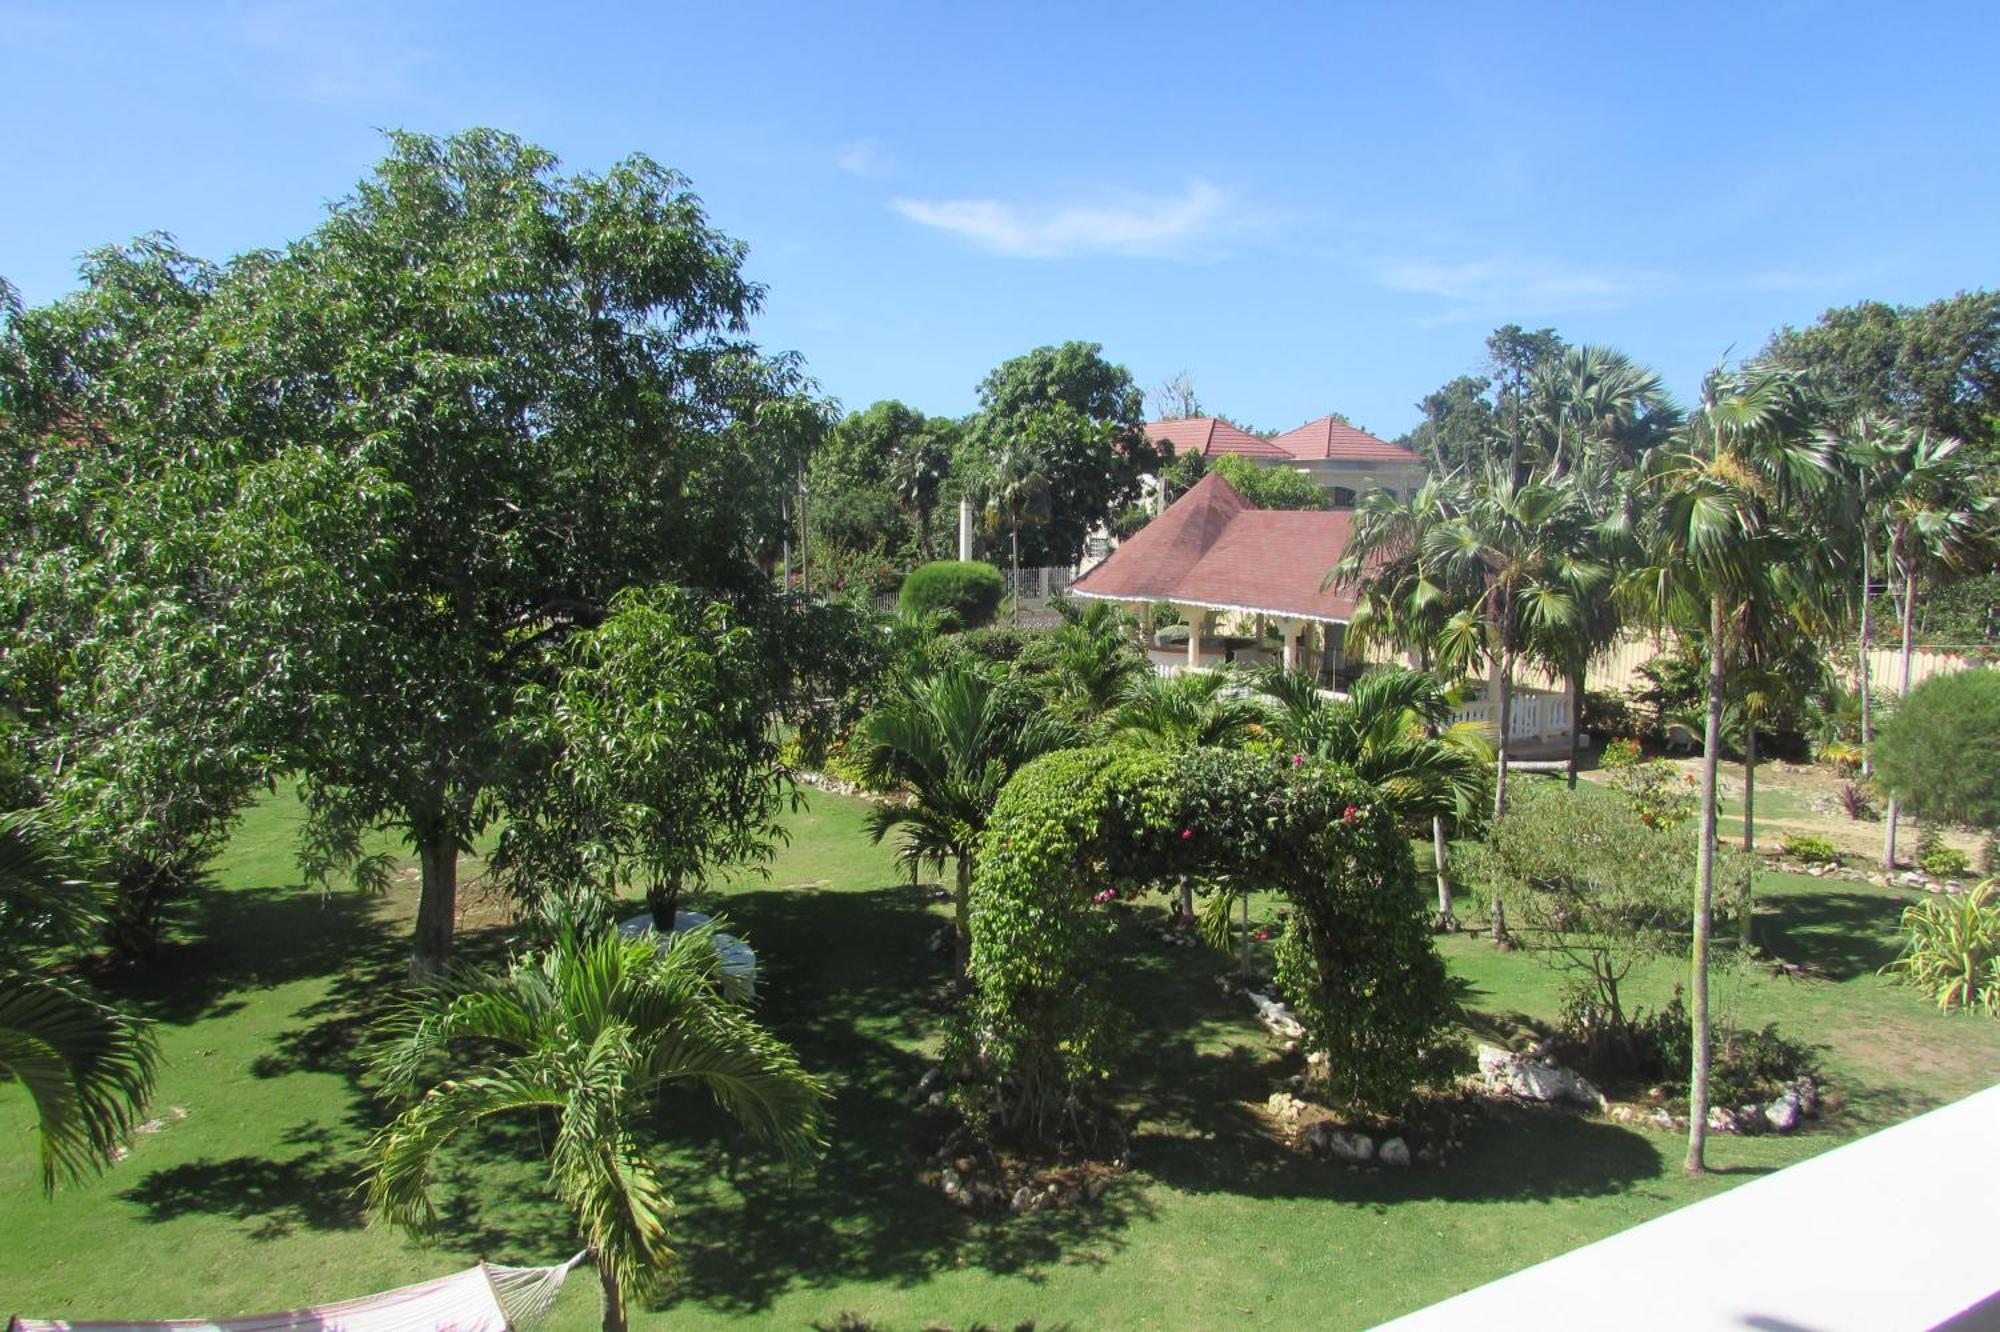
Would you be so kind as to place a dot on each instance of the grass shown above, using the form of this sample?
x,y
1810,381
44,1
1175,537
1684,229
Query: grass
x,y
248,1201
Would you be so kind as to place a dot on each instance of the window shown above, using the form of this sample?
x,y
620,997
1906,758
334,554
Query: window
x,y
1343,497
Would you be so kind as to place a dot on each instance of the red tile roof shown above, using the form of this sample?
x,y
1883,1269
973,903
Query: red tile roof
x,y
1210,437
1328,438
1211,548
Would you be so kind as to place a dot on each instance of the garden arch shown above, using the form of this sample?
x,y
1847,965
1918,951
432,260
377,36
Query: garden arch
x,y
1355,955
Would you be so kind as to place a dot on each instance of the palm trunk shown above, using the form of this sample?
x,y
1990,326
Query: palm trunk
x,y
1506,710
1575,683
962,916
437,906
1704,894
1014,613
1446,921
1749,831
614,1299
1902,691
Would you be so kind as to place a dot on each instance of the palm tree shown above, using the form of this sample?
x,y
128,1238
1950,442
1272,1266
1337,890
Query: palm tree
x,y
1095,661
1394,729
87,1068
1595,405
1018,493
1188,710
590,1031
1405,603
916,473
951,740
1728,536
1940,520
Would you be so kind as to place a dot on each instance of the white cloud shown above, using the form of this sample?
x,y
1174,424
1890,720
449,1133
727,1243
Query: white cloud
x,y
328,53
1133,225
1514,285
864,157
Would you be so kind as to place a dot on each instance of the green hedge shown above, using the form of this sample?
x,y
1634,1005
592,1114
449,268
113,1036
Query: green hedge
x,y
963,593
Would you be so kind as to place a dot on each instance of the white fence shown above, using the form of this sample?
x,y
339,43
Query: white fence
x,y
1617,668
1037,583
1534,716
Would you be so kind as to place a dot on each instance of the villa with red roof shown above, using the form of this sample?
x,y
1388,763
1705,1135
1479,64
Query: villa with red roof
x,y
1335,455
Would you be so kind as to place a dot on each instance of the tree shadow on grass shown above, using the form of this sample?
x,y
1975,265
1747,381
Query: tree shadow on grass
x,y
846,978
1843,933
314,1190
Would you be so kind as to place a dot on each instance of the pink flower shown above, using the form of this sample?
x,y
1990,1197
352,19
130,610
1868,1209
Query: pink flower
x,y
1263,935
1298,760
1186,833
1107,895
1347,815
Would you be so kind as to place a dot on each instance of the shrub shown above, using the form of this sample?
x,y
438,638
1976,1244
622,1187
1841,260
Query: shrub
x,y
1659,793
1812,850
1622,754
1858,802
1743,1065
1940,752
1938,860
1609,714
963,594
1951,949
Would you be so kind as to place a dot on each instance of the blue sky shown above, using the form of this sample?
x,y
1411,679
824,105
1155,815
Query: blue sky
x,y
1308,208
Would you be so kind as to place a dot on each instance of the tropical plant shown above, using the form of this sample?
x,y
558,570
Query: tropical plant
x,y
950,741
1951,949
586,1033
962,594
1095,660
1188,710
1812,850
1730,545
87,1069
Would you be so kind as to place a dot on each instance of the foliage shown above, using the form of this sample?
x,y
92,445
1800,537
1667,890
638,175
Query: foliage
x,y
1749,1065
1659,793
1070,422
1095,659
1598,887
963,594
1621,754
1940,752
1989,853
585,1034
1458,426
879,481
1938,860
1951,948
1960,613
87,1068
1811,850
1187,710
1355,956
1271,487
1857,801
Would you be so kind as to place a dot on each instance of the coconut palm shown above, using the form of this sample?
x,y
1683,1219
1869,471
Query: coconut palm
x,y
588,1032
1017,494
916,473
87,1069
1188,710
1730,538
1940,520
951,740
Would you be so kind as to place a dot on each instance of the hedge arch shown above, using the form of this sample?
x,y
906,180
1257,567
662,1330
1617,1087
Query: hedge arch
x,y
1355,956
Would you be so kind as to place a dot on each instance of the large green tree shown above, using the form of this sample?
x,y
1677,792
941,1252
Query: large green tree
x,y
1081,421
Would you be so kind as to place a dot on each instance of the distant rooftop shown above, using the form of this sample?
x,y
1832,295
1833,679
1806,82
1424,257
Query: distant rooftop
x,y
1316,441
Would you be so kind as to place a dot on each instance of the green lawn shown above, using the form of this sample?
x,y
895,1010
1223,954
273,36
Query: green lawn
x,y
247,1202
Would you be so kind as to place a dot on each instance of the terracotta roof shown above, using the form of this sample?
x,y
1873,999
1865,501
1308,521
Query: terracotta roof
x,y
1211,548
1210,437
1328,438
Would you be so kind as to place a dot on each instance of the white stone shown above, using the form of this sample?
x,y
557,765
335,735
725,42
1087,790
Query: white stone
x,y
1518,1075
1783,1114
738,960
1276,1017
1394,1152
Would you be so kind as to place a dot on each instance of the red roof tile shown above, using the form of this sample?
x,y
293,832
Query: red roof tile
x,y
1328,438
1210,437
1211,548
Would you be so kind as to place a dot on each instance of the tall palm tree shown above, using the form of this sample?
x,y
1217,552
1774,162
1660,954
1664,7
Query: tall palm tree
x,y
1597,405
1730,533
87,1068
1017,493
590,1031
1940,519
916,473
1864,448
951,740
1188,710
1407,604
1394,729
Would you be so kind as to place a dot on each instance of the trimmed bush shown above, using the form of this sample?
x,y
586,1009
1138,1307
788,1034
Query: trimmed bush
x,y
1941,750
963,594
1812,850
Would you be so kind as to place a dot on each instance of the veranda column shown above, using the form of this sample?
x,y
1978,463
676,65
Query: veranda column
x,y
1291,629
1196,618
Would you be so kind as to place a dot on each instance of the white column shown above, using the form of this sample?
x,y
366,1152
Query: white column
x,y
1291,630
1196,617
965,529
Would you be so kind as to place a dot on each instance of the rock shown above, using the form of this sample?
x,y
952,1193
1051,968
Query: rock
x,y
1518,1075
937,1100
1721,1119
1277,1018
1394,1152
1024,1200
1808,1094
1285,1106
951,1182
1353,1148
1425,1156
1783,1114
1750,1119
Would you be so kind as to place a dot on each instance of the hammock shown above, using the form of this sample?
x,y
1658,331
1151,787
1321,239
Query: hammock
x,y
486,1298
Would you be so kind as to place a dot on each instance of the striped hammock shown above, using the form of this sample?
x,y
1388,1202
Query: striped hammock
x,y
486,1298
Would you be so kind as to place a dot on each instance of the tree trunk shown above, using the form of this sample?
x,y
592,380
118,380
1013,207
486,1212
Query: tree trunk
x,y
437,907
1014,611
1749,830
962,916
1505,706
614,1299
1704,896
1446,921
1575,726
1902,692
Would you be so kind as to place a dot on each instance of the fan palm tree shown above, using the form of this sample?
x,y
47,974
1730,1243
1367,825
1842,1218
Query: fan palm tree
x,y
951,740
1940,519
916,473
87,1068
1394,729
1730,538
1188,710
1596,405
590,1031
